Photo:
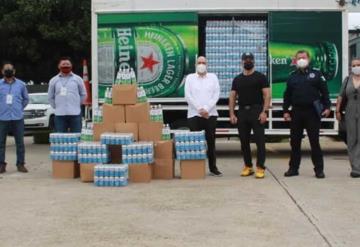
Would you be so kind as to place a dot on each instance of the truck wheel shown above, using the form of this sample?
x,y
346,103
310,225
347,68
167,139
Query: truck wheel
x,y
41,138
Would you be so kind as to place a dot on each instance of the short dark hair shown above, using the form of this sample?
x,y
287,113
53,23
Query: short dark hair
x,y
301,52
65,58
5,63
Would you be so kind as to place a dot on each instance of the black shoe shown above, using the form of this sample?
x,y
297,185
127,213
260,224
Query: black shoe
x,y
3,168
22,168
354,175
320,175
216,173
291,173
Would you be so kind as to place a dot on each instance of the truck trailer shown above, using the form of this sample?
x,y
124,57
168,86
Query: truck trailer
x,y
160,40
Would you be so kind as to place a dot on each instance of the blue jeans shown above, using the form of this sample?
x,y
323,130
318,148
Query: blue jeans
x,y
64,124
17,129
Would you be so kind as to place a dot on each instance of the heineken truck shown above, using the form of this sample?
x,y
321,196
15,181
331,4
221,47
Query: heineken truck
x,y
160,40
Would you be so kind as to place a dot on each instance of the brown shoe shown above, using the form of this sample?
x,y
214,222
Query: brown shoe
x,y
2,168
22,168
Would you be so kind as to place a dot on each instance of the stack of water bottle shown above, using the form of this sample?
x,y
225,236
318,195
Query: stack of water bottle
x,y
166,132
93,153
156,113
190,145
63,146
111,175
141,95
87,133
117,138
138,153
108,95
125,77
226,40
98,115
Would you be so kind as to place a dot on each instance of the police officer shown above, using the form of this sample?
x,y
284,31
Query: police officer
x,y
308,95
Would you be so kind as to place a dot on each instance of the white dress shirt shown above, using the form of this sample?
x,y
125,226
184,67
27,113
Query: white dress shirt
x,y
202,93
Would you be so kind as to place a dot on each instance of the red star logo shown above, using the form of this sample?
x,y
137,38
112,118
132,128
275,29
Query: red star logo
x,y
149,62
293,61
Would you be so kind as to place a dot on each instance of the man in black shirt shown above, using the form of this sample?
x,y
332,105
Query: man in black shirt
x,y
251,88
308,95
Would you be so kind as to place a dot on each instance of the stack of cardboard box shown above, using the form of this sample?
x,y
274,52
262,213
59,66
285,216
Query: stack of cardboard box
x,y
126,115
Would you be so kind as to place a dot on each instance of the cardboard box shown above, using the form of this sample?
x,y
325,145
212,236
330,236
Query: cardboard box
x,y
115,152
164,149
124,94
87,172
113,114
102,128
163,169
65,169
138,113
151,131
140,173
192,169
128,128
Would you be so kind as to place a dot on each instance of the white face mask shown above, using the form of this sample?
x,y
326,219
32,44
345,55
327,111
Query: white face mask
x,y
355,70
201,68
302,63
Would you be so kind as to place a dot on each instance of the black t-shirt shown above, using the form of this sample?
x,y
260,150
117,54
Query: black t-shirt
x,y
249,88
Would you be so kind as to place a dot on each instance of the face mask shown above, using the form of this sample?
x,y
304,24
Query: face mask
x,y
248,65
355,70
8,73
201,68
65,70
302,63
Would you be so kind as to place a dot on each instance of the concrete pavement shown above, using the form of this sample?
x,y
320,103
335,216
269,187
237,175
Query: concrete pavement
x,y
228,211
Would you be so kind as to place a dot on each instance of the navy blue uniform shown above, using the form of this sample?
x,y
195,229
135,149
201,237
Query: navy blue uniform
x,y
303,89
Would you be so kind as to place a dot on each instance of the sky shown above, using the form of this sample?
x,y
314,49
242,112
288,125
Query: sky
x,y
354,20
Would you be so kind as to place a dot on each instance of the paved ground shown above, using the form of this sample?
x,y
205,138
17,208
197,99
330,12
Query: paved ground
x,y
230,211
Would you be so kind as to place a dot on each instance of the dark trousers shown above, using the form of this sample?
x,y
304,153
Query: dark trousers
x,y
16,127
248,119
305,118
209,125
64,124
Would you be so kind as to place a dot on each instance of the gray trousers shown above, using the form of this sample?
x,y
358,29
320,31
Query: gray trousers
x,y
353,142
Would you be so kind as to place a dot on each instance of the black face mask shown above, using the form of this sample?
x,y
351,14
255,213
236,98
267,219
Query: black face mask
x,y
8,73
248,65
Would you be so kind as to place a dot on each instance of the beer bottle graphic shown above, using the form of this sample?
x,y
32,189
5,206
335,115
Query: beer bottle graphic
x,y
323,56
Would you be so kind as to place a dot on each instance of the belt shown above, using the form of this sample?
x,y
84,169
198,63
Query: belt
x,y
248,107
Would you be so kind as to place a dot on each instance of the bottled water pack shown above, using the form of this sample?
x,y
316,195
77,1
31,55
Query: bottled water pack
x,y
138,153
93,152
64,146
117,138
190,145
111,175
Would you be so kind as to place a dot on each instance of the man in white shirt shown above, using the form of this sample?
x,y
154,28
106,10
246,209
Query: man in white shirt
x,y
202,92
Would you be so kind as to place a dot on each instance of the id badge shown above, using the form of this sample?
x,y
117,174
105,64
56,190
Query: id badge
x,y
63,91
9,99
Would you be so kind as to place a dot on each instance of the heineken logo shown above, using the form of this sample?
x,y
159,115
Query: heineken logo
x,y
279,61
160,57
156,54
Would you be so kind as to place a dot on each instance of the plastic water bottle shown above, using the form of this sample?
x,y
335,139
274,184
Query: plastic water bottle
x,y
132,76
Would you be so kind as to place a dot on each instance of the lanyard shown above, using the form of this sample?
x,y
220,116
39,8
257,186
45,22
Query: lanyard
x,y
66,82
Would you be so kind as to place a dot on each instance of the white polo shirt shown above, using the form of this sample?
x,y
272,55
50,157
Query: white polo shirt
x,y
202,92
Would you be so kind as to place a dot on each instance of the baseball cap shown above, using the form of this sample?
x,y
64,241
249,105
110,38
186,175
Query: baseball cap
x,y
247,55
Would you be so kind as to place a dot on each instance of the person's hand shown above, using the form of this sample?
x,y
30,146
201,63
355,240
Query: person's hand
x,y
203,113
262,117
287,117
338,116
326,113
233,119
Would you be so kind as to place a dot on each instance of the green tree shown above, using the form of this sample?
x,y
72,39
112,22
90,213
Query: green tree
x,y
35,34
